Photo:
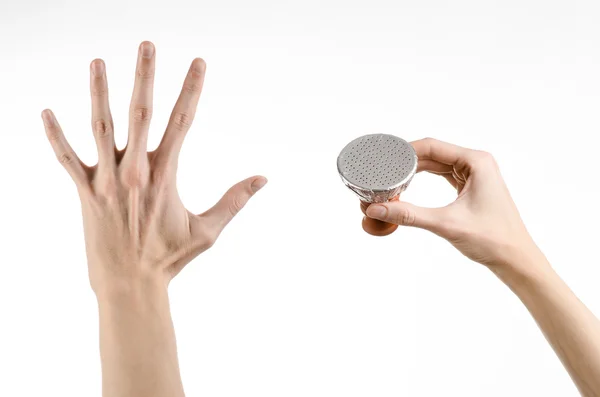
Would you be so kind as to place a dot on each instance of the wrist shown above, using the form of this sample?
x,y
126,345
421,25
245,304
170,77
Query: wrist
x,y
138,287
526,269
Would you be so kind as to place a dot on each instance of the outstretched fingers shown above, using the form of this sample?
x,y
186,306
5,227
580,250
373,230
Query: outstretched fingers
x,y
64,153
140,110
183,112
102,123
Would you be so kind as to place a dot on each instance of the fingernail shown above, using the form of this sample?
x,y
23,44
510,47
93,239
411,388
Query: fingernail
x,y
47,117
98,68
258,184
376,211
147,50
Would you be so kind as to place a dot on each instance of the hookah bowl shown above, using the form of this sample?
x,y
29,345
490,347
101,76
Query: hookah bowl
x,y
377,168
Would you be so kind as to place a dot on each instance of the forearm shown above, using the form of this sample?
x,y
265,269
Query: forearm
x,y
137,342
571,329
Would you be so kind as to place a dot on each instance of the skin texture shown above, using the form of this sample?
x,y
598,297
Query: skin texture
x,y
483,223
138,233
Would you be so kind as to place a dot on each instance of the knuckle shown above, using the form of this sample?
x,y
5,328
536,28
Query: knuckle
x,y
484,157
98,91
132,178
107,185
405,217
182,120
428,143
236,205
141,114
132,181
191,87
145,73
109,188
102,129
66,158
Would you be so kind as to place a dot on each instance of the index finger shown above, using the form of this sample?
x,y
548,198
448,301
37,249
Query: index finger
x,y
443,152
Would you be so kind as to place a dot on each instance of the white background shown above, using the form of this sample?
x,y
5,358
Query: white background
x,y
295,299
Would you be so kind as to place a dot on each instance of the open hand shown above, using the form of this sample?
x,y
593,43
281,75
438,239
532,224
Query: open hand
x,y
136,227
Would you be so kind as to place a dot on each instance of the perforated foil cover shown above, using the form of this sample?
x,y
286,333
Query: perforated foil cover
x,y
377,167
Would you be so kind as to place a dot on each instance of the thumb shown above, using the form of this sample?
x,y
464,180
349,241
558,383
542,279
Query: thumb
x,y
232,202
406,214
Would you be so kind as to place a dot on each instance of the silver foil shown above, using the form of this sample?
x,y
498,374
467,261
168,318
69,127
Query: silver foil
x,y
377,167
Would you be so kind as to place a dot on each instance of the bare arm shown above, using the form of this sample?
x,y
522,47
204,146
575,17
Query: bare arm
x,y
137,342
484,224
138,234
569,326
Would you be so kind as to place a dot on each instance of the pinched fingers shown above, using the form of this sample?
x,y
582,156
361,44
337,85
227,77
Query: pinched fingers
x,y
64,153
434,167
439,151
406,214
437,168
440,157
446,153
